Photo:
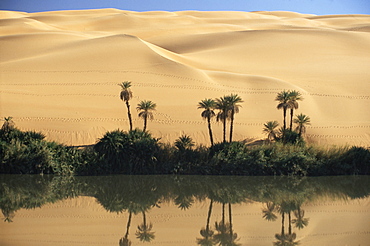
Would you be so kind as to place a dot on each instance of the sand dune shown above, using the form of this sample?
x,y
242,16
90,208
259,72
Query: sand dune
x,y
59,71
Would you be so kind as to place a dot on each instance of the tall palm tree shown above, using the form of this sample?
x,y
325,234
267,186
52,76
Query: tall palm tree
x,y
302,120
270,129
126,95
146,108
222,115
284,104
233,108
294,96
144,232
208,105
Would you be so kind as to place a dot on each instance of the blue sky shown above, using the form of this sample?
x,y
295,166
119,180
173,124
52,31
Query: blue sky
x,y
318,7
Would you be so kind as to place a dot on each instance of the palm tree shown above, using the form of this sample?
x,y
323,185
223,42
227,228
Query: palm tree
x,y
184,142
302,120
294,96
284,104
144,232
126,95
208,105
233,108
146,108
222,115
270,129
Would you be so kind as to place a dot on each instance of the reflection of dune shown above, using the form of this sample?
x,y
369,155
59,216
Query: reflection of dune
x,y
60,70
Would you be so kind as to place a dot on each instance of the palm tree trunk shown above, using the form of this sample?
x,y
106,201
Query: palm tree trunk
x,y
209,215
290,223
282,223
224,130
223,213
145,121
144,219
284,116
129,114
230,221
291,118
210,130
231,126
128,224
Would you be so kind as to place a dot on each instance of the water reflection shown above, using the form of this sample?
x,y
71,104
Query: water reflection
x,y
282,199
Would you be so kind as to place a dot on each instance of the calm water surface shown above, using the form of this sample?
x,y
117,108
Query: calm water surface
x,y
184,210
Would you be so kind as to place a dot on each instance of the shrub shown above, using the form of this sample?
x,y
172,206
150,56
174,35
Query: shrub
x,y
130,152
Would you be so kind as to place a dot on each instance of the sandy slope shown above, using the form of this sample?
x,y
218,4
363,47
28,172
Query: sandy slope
x,y
59,71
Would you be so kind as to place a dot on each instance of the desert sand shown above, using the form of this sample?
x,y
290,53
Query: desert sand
x,y
59,71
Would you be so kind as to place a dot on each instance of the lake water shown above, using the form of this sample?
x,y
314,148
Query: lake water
x,y
184,210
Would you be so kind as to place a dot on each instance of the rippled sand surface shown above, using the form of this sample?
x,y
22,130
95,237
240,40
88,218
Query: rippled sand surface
x,y
60,70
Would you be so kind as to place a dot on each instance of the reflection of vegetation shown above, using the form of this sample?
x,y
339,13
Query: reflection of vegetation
x,y
139,194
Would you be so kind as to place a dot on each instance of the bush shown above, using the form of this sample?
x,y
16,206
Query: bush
x,y
132,152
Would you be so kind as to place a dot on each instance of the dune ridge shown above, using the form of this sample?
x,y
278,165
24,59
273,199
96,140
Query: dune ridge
x,y
59,71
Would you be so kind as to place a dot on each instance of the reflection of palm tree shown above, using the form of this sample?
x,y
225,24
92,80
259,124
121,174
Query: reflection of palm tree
x,y
8,215
184,202
144,232
225,235
206,233
269,212
286,240
125,241
300,222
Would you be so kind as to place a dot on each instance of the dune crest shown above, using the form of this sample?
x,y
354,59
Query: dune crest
x,y
60,71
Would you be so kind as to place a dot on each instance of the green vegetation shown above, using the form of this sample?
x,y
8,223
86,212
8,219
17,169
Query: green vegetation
x,y
138,152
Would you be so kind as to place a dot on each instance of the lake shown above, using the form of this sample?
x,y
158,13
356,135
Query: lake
x,y
184,210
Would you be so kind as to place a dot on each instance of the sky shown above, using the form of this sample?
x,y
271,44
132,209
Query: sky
x,y
318,7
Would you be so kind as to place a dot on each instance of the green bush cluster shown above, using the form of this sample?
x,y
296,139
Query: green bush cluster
x,y
137,152
29,153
